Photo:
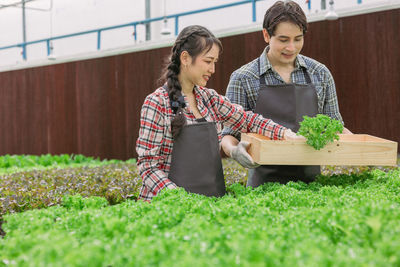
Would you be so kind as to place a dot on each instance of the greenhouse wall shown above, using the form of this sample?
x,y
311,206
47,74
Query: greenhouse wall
x,y
92,106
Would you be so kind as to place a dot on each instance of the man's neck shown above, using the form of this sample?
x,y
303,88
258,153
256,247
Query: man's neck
x,y
276,64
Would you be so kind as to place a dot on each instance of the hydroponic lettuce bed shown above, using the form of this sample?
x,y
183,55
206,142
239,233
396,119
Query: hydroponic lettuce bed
x,y
339,220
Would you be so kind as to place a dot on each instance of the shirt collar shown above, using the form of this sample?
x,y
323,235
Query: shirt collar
x,y
265,65
196,91
300,62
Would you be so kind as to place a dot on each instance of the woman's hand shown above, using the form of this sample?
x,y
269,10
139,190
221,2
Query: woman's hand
x,y
346,131
239,153
291,136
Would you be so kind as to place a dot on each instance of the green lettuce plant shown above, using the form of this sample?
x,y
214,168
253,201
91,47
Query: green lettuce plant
x,y
334,221
320,130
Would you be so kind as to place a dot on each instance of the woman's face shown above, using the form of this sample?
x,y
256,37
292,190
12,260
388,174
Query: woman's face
x,y
200,71
285,44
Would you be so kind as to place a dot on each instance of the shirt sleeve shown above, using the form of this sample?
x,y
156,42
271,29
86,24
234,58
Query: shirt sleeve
x,y
331,106
239,120
237,95
148,145
235,91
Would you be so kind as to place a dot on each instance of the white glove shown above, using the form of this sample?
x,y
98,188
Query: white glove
x,y
239,153
289,135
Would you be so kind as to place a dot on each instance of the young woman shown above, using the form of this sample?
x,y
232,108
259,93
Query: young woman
x,y
181,122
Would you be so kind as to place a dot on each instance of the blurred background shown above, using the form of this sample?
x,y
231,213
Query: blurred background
x,y
74,74
32,20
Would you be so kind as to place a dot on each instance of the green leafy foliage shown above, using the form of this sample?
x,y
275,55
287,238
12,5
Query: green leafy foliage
x,y
17,163
25,190
78,202
320,130
42,188
21,161
335,221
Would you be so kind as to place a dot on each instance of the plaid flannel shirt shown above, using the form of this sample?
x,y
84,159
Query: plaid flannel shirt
x,y
245,82
155,142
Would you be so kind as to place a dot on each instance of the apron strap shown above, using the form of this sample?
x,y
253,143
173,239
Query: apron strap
x,y
262,77
202,99
307,76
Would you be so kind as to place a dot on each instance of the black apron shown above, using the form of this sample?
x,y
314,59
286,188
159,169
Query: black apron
x,y
196,162
285,104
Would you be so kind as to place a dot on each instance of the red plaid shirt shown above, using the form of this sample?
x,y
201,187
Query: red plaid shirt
x,y
155,142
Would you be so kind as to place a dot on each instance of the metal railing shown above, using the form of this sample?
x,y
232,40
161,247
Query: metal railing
x,y
134,24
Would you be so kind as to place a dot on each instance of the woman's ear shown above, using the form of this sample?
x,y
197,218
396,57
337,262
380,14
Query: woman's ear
x,y
185,58
267,38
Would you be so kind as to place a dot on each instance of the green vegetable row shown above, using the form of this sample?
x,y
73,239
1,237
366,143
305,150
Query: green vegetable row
x,y
42,188
34,189
8,161
25,190
336,221
17,163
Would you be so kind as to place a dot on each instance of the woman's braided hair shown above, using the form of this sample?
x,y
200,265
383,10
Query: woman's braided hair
x,y
195,40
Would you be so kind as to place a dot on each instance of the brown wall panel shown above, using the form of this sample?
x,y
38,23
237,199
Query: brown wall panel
x,y
62,134
362,54
30,106
92,107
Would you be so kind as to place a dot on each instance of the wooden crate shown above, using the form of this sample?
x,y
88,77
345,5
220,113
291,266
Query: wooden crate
x,y
356,150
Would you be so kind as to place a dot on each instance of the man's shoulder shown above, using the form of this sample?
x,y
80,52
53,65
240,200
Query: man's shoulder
x,y
247,71
314,66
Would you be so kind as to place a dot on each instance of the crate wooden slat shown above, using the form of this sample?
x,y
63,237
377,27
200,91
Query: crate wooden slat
x,y
355,150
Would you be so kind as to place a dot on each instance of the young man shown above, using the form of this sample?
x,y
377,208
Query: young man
x,y
281,85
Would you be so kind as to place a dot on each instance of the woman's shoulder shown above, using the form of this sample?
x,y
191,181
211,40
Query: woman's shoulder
x,y
160,92
208,92
209,95
158,98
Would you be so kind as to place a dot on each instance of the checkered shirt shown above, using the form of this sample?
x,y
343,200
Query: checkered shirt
x,y
245,82
155,142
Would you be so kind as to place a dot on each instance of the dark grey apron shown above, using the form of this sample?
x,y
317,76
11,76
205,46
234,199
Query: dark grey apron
x,y
196,162
285,104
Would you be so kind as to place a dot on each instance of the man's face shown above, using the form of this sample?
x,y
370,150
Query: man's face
x,y
285,44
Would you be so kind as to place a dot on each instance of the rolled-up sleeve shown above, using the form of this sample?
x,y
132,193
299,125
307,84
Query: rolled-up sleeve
x,y
148,145
238,120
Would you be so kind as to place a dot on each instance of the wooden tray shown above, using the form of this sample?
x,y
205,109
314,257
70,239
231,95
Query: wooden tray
x,y
356,150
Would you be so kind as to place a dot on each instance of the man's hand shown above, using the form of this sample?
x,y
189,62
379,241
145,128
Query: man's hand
x,y
239,153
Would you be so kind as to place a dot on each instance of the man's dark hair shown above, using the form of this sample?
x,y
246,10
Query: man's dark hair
x,y
287,11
